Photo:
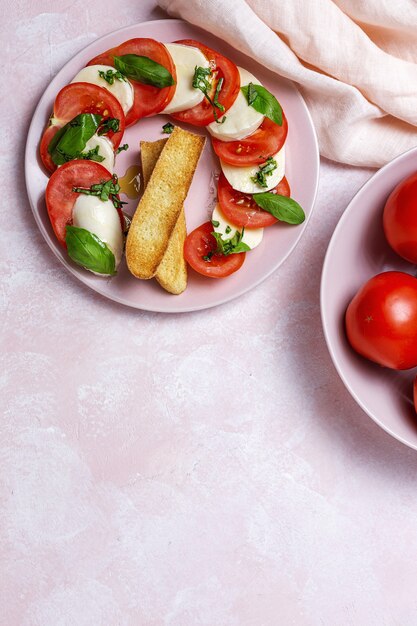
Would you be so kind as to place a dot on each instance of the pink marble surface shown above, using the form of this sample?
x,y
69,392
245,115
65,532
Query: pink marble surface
x,y
199,469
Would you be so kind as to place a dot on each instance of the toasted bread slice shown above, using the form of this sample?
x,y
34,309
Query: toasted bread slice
x,y
161,203
149,154
172,270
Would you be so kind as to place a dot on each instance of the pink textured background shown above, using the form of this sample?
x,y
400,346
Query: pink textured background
x,y
200,469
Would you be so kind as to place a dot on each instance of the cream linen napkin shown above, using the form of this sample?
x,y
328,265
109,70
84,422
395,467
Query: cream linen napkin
x,y
354,62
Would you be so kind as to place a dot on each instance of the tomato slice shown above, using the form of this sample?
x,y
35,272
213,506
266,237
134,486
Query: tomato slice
x,y
148,100
242,210
202,114
255,149
60,197
79,98
48,133
201,243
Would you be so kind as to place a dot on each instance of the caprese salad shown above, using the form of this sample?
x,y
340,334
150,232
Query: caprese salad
x,y
195,85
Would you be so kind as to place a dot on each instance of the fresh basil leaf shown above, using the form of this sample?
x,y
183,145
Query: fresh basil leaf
x,y
87,250
263,101
283,208
144,70
71,139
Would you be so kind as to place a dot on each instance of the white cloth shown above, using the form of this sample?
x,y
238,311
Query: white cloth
x,y
354,62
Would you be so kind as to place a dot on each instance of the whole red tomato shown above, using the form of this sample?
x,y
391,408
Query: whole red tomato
x,y
381,320
400,219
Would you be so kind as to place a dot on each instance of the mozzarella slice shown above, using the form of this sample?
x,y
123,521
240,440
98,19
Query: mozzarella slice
x,y
241,177
186,59
122,90
102,219
105,149
252,236
241,119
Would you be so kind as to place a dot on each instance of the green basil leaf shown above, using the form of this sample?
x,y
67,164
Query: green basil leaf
x,y
87,250
263,101
143,70
72,138
240,247
283,208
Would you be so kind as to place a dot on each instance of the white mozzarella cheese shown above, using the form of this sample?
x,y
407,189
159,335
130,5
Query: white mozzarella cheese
x,y
186,59
122,90
252,236
105,149
241,119
241,177
102,219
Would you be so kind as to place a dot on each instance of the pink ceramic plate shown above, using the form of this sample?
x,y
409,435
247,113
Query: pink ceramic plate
x,y
279,241
357,251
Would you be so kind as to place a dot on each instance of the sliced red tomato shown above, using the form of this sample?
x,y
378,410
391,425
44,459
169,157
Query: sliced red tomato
x,y
148,100
59,194
241,209
200,243
75,99
255,149
48,133
202,114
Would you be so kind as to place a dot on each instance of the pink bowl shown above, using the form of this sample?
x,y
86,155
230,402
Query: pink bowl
x,y
357,251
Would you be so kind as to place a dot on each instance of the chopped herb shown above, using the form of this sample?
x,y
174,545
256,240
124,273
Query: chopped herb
x,y
251,94
121,148
200,79
111,75
217,103
201,82
215,223
92,155
264,170
112,124
168,128
207,257
228,230
106,190
230,246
